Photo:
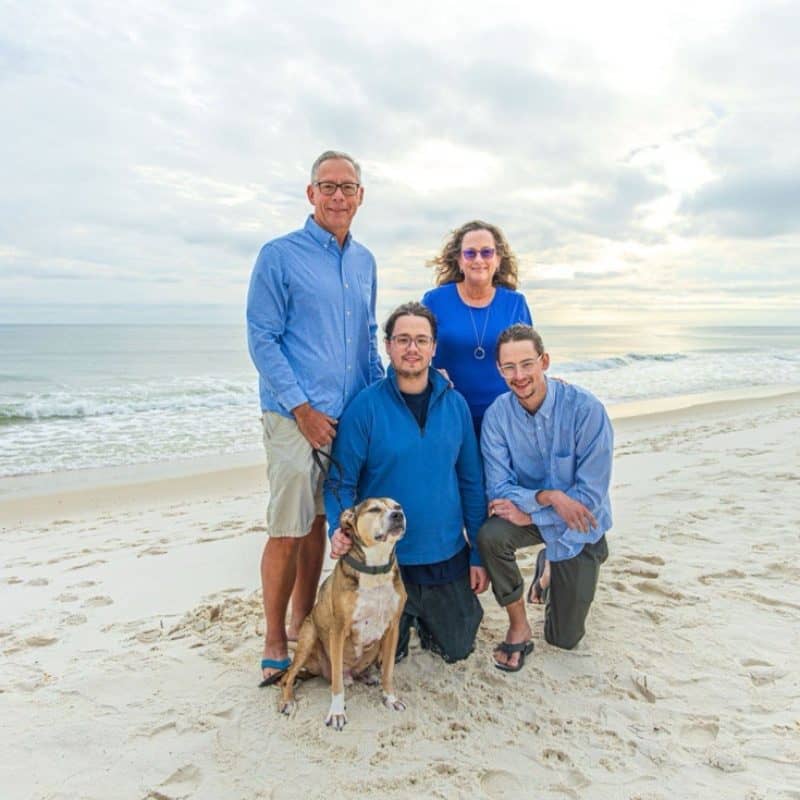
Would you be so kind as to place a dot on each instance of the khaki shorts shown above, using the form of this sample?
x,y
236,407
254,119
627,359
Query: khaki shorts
x,y
295,481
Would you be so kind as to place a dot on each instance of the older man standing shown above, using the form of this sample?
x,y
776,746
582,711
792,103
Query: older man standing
x,y
312,335
547,451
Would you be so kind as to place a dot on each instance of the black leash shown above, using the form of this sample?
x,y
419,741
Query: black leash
x,y
334,486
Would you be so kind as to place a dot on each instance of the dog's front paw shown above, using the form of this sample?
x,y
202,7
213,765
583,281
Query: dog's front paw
x,y
390,701
287,707
336,718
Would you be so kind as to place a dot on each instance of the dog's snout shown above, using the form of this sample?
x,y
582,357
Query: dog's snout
x,y
396,516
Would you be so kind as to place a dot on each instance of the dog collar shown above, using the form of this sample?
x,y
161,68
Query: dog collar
x,y
360,566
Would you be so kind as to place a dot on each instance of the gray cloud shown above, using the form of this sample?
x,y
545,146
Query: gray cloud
x,y
151,152
748,204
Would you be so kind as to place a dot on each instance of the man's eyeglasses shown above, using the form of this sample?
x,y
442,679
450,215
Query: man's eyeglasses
x,y
470,254
525,367
404,340
329,187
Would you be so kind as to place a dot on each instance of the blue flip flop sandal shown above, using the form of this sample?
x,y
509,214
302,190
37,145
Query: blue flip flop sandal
x,y
281,664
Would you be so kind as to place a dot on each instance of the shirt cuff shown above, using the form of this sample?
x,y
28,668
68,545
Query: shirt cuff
x,y
475,557
292,398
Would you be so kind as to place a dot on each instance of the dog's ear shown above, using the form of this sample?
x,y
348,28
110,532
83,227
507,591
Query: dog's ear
x,y
347,521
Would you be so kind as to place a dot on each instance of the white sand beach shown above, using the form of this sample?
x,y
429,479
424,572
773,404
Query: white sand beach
x,y
131,624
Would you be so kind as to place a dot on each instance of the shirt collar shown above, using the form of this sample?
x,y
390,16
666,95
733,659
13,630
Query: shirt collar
x,y
325,238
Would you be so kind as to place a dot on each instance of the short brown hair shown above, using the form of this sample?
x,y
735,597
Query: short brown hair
x,y
412,309
519,332
446,263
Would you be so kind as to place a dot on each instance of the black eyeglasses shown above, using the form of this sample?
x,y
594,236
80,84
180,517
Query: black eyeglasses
x,y
329,187
470,254
404,340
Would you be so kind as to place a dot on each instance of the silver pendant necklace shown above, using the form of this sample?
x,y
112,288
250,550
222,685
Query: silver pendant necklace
x,y
479,352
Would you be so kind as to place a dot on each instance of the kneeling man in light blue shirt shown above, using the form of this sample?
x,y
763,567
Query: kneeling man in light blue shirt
x,y
547,450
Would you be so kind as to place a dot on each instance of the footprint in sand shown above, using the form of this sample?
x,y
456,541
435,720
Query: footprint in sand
x,y
152,551
501,785
714,576
754,662
699,734
38,582
763,676
82,585
88,564
40,641
657,560
640,572
74,619
13,579
184,780
651,587
150,635
98,601
67,597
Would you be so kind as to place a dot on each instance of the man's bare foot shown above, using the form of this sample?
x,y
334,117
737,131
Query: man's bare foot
x,y
541,580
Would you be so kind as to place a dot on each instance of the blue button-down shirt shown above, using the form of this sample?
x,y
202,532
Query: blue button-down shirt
x,y
311,321
567,444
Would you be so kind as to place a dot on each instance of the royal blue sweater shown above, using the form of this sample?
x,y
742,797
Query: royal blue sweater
x,y
434,473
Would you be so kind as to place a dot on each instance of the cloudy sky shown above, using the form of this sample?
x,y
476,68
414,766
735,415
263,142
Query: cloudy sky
x,y
644,162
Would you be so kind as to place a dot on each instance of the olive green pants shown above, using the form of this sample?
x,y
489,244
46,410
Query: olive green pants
x,y
572,582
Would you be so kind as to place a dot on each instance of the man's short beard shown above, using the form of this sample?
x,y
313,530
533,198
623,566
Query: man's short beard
x,y
407,373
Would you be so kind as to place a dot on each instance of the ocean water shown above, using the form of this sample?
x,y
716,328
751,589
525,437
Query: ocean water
x,y
79,396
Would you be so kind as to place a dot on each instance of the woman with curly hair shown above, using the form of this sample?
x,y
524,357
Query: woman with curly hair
x,y
475,299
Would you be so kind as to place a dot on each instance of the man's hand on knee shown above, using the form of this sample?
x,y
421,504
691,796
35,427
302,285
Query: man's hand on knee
x,y
506,510
573,512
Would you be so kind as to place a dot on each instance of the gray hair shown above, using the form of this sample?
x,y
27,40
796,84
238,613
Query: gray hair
x,y
331,154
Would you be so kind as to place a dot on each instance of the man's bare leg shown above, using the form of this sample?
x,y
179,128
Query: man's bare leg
x,y
518,631
544,582
309,567
278,572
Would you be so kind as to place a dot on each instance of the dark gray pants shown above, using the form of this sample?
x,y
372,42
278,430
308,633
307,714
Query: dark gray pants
x,y
446,617
572,582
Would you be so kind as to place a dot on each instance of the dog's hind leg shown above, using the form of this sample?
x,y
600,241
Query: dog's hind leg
x,y
336,718
306,640
388,648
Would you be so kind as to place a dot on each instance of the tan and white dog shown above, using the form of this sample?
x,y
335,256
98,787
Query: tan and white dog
x,y
355,621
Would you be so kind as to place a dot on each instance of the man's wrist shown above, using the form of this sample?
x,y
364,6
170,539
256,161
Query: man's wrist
x,y
298,412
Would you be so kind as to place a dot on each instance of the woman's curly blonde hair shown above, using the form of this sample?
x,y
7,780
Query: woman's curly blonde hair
x,y
446,263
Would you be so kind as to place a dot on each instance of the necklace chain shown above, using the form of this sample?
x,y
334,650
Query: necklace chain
x,y
479,352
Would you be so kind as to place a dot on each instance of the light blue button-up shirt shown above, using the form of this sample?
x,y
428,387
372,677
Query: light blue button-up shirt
x,y
311,325
568,444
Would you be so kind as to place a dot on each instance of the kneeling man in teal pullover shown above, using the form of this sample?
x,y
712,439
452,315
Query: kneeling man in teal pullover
x,y
410,437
